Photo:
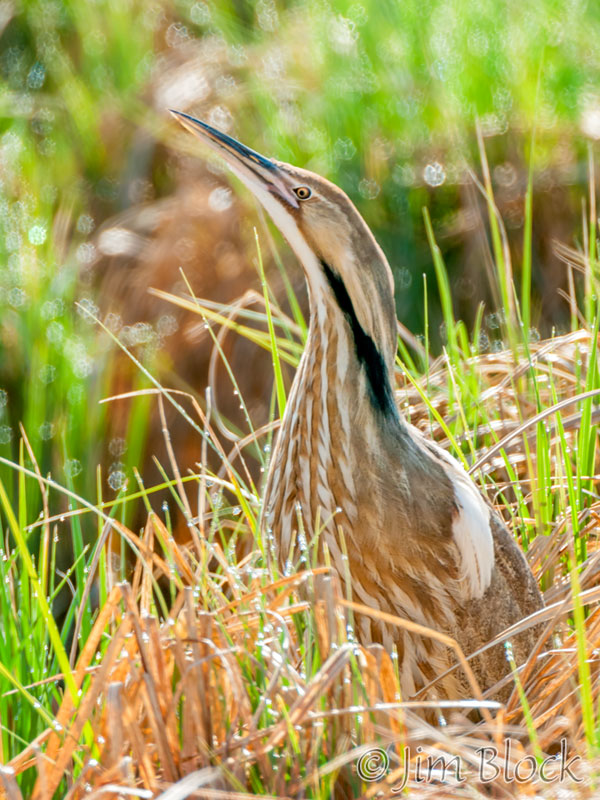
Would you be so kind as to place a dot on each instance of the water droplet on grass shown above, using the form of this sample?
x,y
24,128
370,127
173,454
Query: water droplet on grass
x,y
117,446
220,199
200,14
17,298
73,467
53,308
220,117
403,278
85,224
403,175
344,149
37,234
55,332
177,34
116,479
5,434
87,309
167,325
368,189
266,14
47,373
46,431
36,76
86,253
217,500
434,174
342,34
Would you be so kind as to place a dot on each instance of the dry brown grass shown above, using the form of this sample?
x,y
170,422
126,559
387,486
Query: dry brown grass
x,y
254,683
173,703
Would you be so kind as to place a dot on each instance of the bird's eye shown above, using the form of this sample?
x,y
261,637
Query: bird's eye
x,y
302,192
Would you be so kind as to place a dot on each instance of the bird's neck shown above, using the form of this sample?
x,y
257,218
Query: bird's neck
x,y
340,405
371,339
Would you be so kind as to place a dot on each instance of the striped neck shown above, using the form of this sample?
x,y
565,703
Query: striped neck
x,y
340,401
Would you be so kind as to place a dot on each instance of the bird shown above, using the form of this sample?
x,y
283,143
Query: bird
x,y
397,515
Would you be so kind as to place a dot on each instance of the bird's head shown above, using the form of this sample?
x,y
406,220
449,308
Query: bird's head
x,y
342,261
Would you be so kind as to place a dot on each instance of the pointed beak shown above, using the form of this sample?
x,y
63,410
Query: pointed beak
x,y
258,173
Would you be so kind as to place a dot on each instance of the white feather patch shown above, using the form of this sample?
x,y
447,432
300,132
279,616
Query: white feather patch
x,y
472,533
471,527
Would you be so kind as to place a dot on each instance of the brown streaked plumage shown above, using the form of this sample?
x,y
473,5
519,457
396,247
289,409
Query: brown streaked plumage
x,y
421,541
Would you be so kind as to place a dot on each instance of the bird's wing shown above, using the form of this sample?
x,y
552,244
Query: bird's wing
x,y
513,594
471,523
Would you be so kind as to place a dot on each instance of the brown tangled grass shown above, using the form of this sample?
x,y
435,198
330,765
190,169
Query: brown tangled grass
x,y
252,683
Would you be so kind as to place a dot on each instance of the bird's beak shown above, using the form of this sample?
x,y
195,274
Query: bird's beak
x,y
255,171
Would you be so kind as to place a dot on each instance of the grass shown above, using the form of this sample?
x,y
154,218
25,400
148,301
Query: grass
x,y
209,659
211,664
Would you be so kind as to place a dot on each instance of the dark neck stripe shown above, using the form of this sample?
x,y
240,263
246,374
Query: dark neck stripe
x,y
369,357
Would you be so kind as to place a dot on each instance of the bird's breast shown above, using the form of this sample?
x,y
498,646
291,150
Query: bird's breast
x,y
344,479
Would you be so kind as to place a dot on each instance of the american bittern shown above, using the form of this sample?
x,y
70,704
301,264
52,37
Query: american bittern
x,y
421,541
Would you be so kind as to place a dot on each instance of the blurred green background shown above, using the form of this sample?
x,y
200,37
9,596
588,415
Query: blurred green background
x,y
102,196
382,97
